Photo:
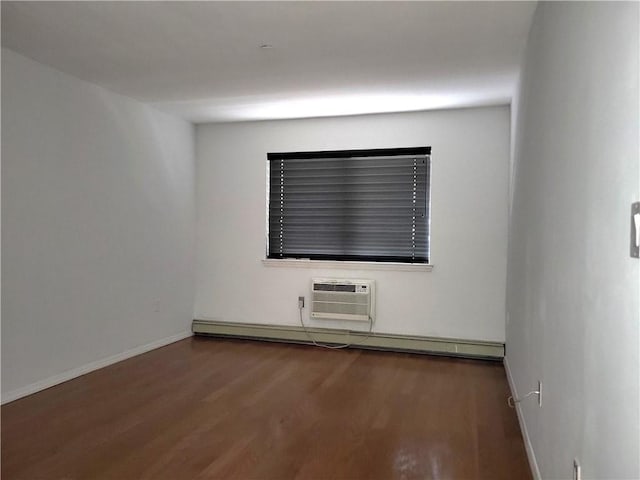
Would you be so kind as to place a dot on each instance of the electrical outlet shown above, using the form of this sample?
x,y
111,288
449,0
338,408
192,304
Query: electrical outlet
x,y
577,471
156,305
300,302
539,393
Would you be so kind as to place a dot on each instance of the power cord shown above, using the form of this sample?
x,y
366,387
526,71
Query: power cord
x,y
332,347
513,400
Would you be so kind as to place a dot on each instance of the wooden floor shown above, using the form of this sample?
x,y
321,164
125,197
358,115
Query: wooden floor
x,y
211,408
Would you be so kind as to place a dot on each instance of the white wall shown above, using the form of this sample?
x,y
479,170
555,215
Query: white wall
x,y
573,290
463,297
98,224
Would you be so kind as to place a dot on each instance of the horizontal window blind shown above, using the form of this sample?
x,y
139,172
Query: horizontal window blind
x,y
368,205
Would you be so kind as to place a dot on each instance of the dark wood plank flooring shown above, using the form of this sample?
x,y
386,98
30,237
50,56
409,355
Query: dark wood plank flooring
x,y
212,408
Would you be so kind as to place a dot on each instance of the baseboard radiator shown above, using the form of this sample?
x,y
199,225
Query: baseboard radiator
x,y
379,341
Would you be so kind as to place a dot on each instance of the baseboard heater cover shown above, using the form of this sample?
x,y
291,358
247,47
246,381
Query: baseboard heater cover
x,y
381,341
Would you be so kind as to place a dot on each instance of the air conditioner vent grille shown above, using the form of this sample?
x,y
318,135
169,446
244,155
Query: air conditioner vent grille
x,y
334,287
332,297
341,309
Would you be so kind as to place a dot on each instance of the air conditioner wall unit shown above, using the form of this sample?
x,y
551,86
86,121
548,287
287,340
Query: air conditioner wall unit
x,y
342,299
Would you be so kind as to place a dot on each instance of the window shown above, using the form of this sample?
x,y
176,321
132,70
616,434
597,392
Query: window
x,y
352,205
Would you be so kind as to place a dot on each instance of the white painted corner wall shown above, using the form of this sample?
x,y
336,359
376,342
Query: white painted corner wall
x,y
462,297
573,297
98,218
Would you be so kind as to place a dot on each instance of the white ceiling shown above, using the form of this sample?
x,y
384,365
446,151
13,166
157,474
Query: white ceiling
x,y
203,61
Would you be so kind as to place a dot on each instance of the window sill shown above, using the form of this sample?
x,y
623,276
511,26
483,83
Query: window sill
x,y
331,264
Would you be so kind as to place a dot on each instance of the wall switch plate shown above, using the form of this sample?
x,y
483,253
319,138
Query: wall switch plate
x,y
635,230
539,393
577,471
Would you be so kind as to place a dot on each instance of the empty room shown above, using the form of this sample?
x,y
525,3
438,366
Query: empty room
x,y
320,240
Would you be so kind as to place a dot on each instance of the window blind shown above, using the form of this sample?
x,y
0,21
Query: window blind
x,y
367,205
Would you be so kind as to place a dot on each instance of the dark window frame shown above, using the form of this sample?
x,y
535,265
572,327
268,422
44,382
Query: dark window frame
x,y
281,157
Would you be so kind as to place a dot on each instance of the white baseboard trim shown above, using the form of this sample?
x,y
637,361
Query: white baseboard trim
x,y
90,367
531,455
